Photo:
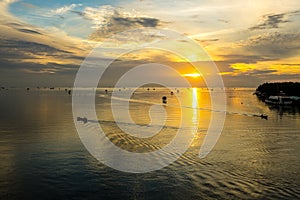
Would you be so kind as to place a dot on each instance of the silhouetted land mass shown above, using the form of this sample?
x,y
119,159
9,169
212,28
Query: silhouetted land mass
x,y
285,91
288,88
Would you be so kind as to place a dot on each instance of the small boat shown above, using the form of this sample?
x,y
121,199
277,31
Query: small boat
x,y
279,100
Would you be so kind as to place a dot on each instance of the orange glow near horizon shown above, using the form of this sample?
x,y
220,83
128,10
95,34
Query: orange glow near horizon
x,y
194,75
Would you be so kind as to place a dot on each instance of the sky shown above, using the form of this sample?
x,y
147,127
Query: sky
x,y
43,43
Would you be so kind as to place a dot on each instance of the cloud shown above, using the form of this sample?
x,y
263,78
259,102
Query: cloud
x,y
269,46
274,45
223,21
118,24
24,30
27,51
80,13
19,47
250,69
4,4
21,27
272,21
65,9
242,58
108,20
205,42
261,72
47,48
26,57
136,21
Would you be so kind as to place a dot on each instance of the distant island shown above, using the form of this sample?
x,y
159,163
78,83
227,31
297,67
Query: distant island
x,y
279,93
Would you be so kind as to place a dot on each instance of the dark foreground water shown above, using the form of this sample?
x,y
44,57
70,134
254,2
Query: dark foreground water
x,y
42,157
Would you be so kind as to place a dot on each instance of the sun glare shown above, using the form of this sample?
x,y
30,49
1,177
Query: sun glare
x,y
194,75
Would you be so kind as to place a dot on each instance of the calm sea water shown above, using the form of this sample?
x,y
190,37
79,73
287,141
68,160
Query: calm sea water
x,y
42,156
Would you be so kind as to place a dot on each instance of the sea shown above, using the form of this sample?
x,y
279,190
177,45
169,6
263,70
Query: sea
x,y
43,157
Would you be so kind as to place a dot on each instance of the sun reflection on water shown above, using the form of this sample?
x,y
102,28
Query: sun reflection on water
x,y
195,105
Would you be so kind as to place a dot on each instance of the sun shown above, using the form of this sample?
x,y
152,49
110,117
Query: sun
x,y
194,75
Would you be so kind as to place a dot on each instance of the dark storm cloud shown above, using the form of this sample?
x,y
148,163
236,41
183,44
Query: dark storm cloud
x,y
274,20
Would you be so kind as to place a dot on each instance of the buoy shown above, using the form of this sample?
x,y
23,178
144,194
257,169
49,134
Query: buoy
x,y
164,99
264,116
83,119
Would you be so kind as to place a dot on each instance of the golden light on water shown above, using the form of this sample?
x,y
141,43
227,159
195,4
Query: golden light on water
x,y
195,105
190,105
